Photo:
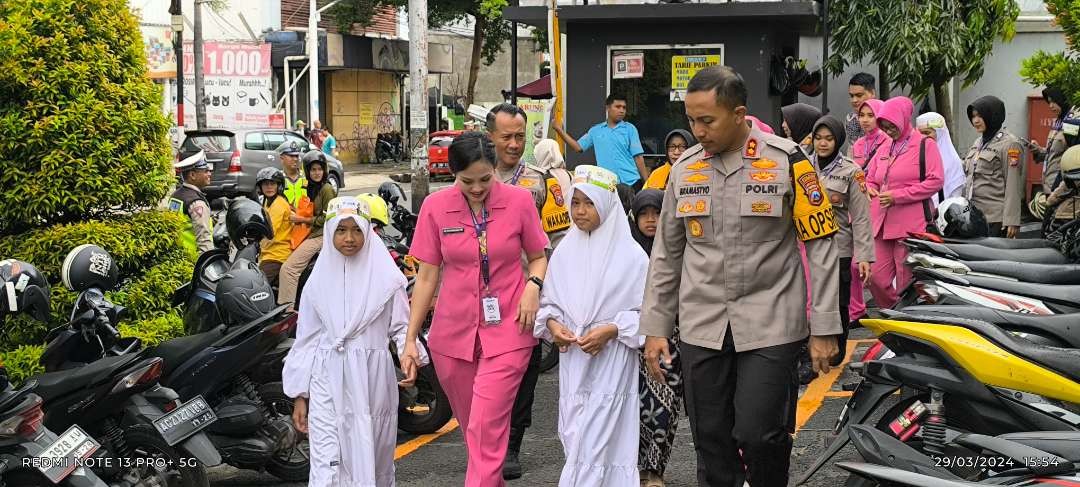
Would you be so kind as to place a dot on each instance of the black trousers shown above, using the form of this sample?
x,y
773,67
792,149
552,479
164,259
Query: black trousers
x,y
741,401
521,415
845,302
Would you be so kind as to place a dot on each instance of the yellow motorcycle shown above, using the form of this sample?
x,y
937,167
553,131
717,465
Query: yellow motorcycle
x,y
958,375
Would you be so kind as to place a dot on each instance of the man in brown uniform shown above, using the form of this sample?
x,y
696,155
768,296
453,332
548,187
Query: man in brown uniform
x,y
726,263
506,125
995,168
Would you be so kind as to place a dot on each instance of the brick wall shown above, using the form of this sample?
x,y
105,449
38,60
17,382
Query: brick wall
x,y
294,13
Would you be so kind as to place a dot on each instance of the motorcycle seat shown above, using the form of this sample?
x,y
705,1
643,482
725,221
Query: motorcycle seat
x,y
1065,444
52,385
177,351
1065,361
1031,256
1003,243
1065,328
1033,273
1066,294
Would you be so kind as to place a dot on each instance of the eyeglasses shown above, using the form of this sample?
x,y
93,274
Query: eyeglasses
x,y
676,147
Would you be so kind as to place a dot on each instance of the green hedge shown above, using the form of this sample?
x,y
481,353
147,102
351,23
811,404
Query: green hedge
x,y
147,250
81,128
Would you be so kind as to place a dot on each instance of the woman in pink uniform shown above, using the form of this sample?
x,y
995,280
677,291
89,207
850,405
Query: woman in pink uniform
x,y
862,151
472,236
898,195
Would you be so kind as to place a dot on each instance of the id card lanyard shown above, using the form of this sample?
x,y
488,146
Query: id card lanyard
x,y
489,302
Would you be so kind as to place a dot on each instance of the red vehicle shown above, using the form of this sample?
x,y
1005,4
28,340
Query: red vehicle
x,y
439,152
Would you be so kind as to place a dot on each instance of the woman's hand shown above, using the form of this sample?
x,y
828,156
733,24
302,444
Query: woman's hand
x,y
872,192
593,341
560,335
885,198
528,306
1012,231
299,415
864,272
410,363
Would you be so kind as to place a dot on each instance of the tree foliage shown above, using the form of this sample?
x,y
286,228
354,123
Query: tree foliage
x,y
1060,69
81,128
84,158
922,43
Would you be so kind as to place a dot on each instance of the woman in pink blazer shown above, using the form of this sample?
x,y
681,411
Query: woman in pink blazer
x,y
862,151
471,237
898,195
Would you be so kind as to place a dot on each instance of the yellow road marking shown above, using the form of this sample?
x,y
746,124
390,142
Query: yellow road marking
x,y
817,390
415,443
838,394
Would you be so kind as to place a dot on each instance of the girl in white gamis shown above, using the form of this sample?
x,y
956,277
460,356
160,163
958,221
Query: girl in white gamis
x,y
590,308
340,369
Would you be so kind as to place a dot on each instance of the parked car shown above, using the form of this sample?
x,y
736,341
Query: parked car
x,y
237,156
439,152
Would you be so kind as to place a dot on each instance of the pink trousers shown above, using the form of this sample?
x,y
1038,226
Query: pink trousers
x,y
857,306
889,267
482,393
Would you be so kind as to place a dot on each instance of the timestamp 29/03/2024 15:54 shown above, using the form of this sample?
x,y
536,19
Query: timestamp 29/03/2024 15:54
x,y
992,462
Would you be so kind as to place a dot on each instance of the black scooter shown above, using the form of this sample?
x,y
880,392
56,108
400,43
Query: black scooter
x,y
102,384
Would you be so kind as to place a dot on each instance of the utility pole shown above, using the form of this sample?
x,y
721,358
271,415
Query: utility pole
x,y
418,97
313,60
200,92
176,10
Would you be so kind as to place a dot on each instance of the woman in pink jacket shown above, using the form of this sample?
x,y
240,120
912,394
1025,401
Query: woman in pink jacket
x,y
862,151
899,195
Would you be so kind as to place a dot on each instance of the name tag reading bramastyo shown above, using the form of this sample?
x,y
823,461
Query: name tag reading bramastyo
x,y
491,310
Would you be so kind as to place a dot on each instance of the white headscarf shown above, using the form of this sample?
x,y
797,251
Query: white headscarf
x,y
950,160
594,276
348,293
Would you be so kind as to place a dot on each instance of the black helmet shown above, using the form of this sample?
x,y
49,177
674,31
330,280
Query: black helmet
x,y
89,266
23,290
958,218
243,294
312,157
247,219
270,174
391,193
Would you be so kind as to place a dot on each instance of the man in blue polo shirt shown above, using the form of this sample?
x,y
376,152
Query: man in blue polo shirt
x,y
618,146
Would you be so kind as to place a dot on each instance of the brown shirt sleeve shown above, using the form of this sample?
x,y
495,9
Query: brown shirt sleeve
x,y
862,232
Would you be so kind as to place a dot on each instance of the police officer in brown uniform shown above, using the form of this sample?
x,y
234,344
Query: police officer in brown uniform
x,y
506,125
994,168
726,263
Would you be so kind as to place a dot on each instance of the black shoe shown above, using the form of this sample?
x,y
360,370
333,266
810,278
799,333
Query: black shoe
x,y
511,466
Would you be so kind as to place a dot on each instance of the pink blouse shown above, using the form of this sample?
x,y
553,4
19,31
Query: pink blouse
x,y
445,237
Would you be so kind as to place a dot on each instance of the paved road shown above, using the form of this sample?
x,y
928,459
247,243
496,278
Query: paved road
x,y
439,460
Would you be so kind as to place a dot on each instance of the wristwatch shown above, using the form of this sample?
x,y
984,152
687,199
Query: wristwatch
x,y
536,280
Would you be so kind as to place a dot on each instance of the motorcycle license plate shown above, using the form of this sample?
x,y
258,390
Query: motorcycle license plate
x,y
186,420
62,457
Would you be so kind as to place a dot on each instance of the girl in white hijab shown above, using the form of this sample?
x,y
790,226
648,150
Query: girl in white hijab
x,y
340,369
590,308
932,125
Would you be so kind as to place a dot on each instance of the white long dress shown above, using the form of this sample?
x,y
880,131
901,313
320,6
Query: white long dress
x,y
595,279
341,361
599,412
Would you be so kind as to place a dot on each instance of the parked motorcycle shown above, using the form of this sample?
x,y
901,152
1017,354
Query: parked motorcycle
x,y
110,390
31,454
963,374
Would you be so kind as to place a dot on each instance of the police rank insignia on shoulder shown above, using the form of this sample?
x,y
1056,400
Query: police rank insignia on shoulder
x,y
813,213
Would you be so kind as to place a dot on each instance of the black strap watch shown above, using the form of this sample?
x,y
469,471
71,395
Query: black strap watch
x,y
536,280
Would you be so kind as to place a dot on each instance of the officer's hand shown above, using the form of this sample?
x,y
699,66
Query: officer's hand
x,y
656,349
822,350
1012,232
886,199
299,415
864,272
